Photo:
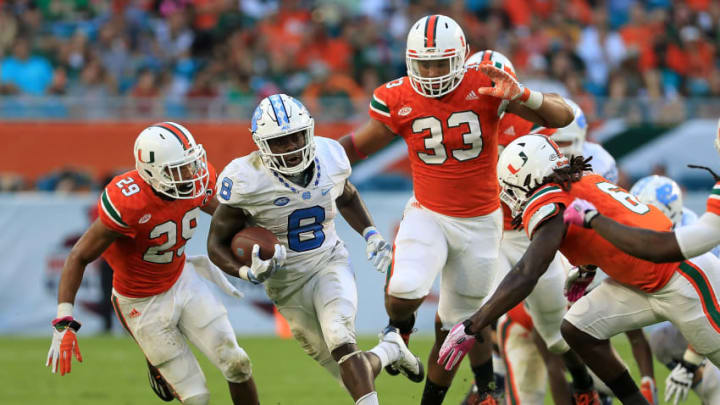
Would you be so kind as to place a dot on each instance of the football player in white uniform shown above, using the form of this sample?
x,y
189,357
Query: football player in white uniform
x,y
294,186
689,370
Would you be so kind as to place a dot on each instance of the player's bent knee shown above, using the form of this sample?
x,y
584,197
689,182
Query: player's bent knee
x,y
459,309
200,399
569,332
405,288
235,365
558,346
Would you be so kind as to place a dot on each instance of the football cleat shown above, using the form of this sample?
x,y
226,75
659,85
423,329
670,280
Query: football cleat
x,y
586,398
487,398
158,384
474,397
406,338
408,364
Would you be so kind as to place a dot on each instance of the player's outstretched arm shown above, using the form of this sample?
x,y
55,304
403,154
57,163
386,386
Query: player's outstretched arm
x,y
366,140
552,113
546,109
353,209
226,222
64,343
654,246
87,249
515,287
521,280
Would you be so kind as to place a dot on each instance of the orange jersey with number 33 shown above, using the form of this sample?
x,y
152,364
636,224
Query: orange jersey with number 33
x,y
451,141
582,246
150,256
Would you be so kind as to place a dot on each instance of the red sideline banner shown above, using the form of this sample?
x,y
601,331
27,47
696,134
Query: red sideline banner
x,y
33,149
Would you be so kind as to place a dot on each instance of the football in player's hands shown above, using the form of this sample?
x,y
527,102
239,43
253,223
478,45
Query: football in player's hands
x,y
243,241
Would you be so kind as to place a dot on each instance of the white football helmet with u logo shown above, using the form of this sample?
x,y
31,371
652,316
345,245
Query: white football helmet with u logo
x,y
436,37
277,116
497,59
662,192
522,167
171,162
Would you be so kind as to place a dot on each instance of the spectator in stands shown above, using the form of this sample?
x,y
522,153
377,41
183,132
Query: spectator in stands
x,y
23,72
145,92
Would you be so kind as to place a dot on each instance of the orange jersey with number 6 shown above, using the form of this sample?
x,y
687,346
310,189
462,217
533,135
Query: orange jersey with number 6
x,y
150,256
582,246
451,141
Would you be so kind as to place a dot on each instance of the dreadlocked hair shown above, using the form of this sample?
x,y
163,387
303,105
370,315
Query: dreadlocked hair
x,y
563,177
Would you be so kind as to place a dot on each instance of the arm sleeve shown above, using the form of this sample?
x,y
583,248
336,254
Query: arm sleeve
x,y
539,216
700,237
544,204
341,163
114,214
381,104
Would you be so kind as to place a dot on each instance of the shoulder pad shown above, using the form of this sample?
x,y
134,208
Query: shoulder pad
x,y
333,157
240,178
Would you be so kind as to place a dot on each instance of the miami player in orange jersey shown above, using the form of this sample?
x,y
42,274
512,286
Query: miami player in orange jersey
x,y
448,115
546,303
538,184
146,216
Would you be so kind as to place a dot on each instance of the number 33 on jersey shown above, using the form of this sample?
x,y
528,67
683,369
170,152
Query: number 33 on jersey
x,y
151,258
452,142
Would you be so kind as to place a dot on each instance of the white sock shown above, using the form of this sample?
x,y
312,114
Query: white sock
x,y
387,352
368,399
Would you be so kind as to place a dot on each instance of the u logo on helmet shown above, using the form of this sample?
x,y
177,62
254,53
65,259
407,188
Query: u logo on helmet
x,y
152,157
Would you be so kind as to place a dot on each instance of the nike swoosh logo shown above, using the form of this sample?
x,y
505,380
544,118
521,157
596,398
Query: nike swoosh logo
x,y
326,191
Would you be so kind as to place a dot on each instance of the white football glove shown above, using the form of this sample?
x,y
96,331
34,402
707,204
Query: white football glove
x,y
261,270
379,252
64,345
678,384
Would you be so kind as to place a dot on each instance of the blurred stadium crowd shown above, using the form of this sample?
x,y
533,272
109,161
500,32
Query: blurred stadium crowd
x,y
645,61
239,49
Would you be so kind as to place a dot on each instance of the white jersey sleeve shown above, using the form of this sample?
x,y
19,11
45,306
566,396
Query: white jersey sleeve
x,y
602,161
243,182
700,237
334,158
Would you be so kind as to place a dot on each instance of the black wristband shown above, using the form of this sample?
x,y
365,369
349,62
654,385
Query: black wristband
x,y
689,366
73,324
468,324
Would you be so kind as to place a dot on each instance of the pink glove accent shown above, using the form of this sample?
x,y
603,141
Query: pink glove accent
x,y
575,213
456,345
577,282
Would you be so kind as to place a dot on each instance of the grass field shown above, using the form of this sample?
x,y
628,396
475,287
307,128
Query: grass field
x,y
114,373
